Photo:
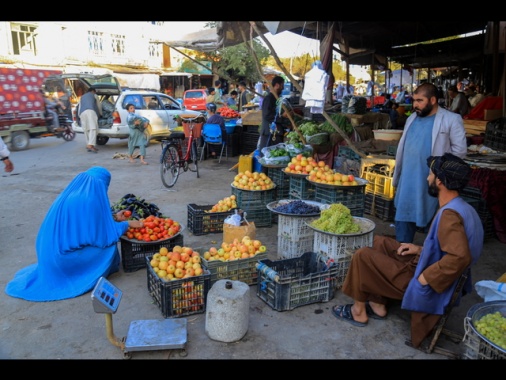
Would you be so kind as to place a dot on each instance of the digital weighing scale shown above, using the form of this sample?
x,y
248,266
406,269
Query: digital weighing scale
x,y
143,335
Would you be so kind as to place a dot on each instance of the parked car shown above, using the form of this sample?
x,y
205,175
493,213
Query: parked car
x,y
195,100
161,109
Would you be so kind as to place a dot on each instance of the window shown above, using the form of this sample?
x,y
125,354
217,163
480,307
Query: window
x,y
96,43
118,44
23,39
154,50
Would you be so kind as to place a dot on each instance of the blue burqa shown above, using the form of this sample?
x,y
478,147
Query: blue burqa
x,y
76,243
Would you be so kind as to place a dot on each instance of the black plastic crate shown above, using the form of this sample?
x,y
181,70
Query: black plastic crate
x,y
301,188
290,283
345,151
134,253
495,134
179,298
243,270
233,141
245,198
473,196
352,197
261,215
201,222
379,207
282,182
248,143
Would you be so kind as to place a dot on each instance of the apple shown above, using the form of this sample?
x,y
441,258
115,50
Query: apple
x,y
179,273
351,178
171,269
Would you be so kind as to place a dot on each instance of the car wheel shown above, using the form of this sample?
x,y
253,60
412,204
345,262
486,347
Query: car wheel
x,y
20,140
102,140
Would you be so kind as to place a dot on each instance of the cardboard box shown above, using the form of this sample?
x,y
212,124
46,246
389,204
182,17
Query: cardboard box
x,y
492,114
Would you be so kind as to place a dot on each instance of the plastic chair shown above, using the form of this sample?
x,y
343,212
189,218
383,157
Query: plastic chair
x,y
211,134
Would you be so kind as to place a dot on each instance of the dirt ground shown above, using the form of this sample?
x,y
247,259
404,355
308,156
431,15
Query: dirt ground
x,y
70,329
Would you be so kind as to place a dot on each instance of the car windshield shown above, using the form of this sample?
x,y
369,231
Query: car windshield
x,y
194,94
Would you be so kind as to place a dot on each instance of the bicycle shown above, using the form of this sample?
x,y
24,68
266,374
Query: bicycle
x,y
172,159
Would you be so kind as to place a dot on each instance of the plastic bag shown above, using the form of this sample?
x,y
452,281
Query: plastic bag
x,y
268,159
491,290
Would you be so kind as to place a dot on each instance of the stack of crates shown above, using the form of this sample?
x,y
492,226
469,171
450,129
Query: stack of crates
x,y
472,195
254,204
282,181
294,236
300,187
379,192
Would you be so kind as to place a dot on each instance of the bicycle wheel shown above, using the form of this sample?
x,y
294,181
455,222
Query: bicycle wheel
x,y
194,165
169,166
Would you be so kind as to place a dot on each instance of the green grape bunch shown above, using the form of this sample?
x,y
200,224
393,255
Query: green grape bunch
x,y
493,327
337,219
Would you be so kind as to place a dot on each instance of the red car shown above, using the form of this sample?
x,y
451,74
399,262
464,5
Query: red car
x,y
195,100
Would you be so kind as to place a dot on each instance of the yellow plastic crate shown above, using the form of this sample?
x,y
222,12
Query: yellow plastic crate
x,y
379,184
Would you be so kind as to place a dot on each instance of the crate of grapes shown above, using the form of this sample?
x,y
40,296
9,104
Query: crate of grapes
x,y
484,326
337,231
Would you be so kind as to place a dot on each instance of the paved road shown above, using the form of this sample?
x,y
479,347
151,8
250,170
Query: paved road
x,y
70,329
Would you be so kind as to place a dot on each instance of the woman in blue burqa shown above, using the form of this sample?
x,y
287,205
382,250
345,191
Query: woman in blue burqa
x,y
76,243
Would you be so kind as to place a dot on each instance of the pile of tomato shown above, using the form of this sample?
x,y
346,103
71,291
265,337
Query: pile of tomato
x,y
155,228
228,113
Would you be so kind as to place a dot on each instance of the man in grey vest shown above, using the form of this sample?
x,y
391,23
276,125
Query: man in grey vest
x,y
89,111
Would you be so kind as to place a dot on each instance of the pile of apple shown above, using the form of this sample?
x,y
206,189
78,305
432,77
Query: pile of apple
x,y
301,165
252,181
323,174
238,249
181,262
225,204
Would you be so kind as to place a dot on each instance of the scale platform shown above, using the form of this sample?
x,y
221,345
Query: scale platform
x,y
156,334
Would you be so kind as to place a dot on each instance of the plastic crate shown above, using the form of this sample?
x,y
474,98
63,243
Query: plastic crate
x,y
352,197
290,283
238,270
473,196
300,188
385,166
259,214
282,182
334,247
495,135
346,151
288,248
201,222
245,198
379,184
133,253
343,264
233,141
295,227
179,298
249,142
477,346
379,207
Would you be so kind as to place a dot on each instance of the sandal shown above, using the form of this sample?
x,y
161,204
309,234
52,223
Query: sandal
x,y
371,314
343,312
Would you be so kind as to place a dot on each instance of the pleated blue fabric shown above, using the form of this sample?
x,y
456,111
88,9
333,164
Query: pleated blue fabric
x,y
76,243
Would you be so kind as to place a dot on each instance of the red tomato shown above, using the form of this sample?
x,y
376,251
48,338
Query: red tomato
x,y
127,213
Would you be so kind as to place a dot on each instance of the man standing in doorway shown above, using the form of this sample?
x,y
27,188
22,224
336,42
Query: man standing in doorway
x,y
89,112
429,131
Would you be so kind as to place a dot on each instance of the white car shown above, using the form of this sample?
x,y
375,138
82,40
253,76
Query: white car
x,y
160,109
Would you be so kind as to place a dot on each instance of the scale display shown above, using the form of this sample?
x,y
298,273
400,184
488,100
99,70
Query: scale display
x,y
105,296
